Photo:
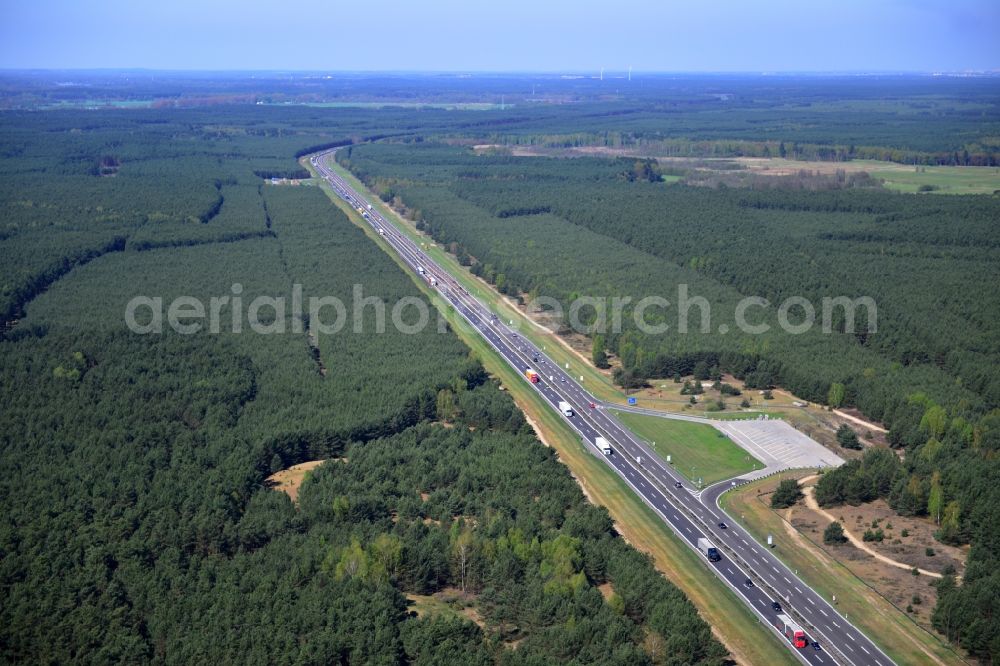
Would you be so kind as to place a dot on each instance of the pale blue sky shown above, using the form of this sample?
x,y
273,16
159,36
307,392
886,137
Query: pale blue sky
x,y
503,35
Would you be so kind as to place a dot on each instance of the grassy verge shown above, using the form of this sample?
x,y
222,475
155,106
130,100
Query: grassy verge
x,y
896,634
698,451
748,640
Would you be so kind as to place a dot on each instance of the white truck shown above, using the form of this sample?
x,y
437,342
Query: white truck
x,y
565,408
604,445
420,269
709,550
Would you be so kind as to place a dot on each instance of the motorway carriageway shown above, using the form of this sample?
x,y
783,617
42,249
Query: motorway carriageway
x,y
690,514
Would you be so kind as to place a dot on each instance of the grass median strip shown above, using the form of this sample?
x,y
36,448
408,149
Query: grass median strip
x,y
697,450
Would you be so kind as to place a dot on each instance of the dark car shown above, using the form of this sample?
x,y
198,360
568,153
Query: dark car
x,y
723,526
677,484
816,646
776,607
748,583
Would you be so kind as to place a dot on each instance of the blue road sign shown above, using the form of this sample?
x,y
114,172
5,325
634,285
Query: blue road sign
x,y
631,401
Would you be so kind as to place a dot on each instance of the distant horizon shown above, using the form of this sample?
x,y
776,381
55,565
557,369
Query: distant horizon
x,y
615,73
773,36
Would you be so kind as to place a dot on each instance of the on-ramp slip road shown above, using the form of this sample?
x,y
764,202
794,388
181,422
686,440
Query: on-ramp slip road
x,y
749,568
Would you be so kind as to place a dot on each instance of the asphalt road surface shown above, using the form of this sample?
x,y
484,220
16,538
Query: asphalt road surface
x,y
752,572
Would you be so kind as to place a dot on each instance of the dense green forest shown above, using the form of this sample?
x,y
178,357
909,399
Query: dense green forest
x,y
583,226
138,527
601,227
917,119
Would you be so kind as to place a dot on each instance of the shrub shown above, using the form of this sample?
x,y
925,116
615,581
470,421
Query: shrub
x,y
834,534
787,494
847,438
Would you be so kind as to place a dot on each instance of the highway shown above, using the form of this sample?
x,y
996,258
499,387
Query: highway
x,y
748,567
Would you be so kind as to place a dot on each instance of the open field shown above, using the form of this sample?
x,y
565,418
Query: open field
x,y
735,626
831,572
902,177
698,451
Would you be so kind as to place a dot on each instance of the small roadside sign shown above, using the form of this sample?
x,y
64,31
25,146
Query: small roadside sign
x,y
631,401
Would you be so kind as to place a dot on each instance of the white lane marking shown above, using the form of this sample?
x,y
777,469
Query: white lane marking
x,y
823,612
797,589
835,624
851,647
863,648
811,601
730,571
786,580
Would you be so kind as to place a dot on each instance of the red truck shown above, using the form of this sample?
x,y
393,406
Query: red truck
x,y
532,376
792,631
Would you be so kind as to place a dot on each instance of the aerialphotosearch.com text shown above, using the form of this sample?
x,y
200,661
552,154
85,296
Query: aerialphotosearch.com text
x,y
655,315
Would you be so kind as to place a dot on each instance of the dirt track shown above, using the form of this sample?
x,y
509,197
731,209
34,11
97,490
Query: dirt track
x,y
855,541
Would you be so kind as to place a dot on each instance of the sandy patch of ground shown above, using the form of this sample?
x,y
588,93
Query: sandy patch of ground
x,y
290,480
804,527
856,540
857,417
885,566
539,433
